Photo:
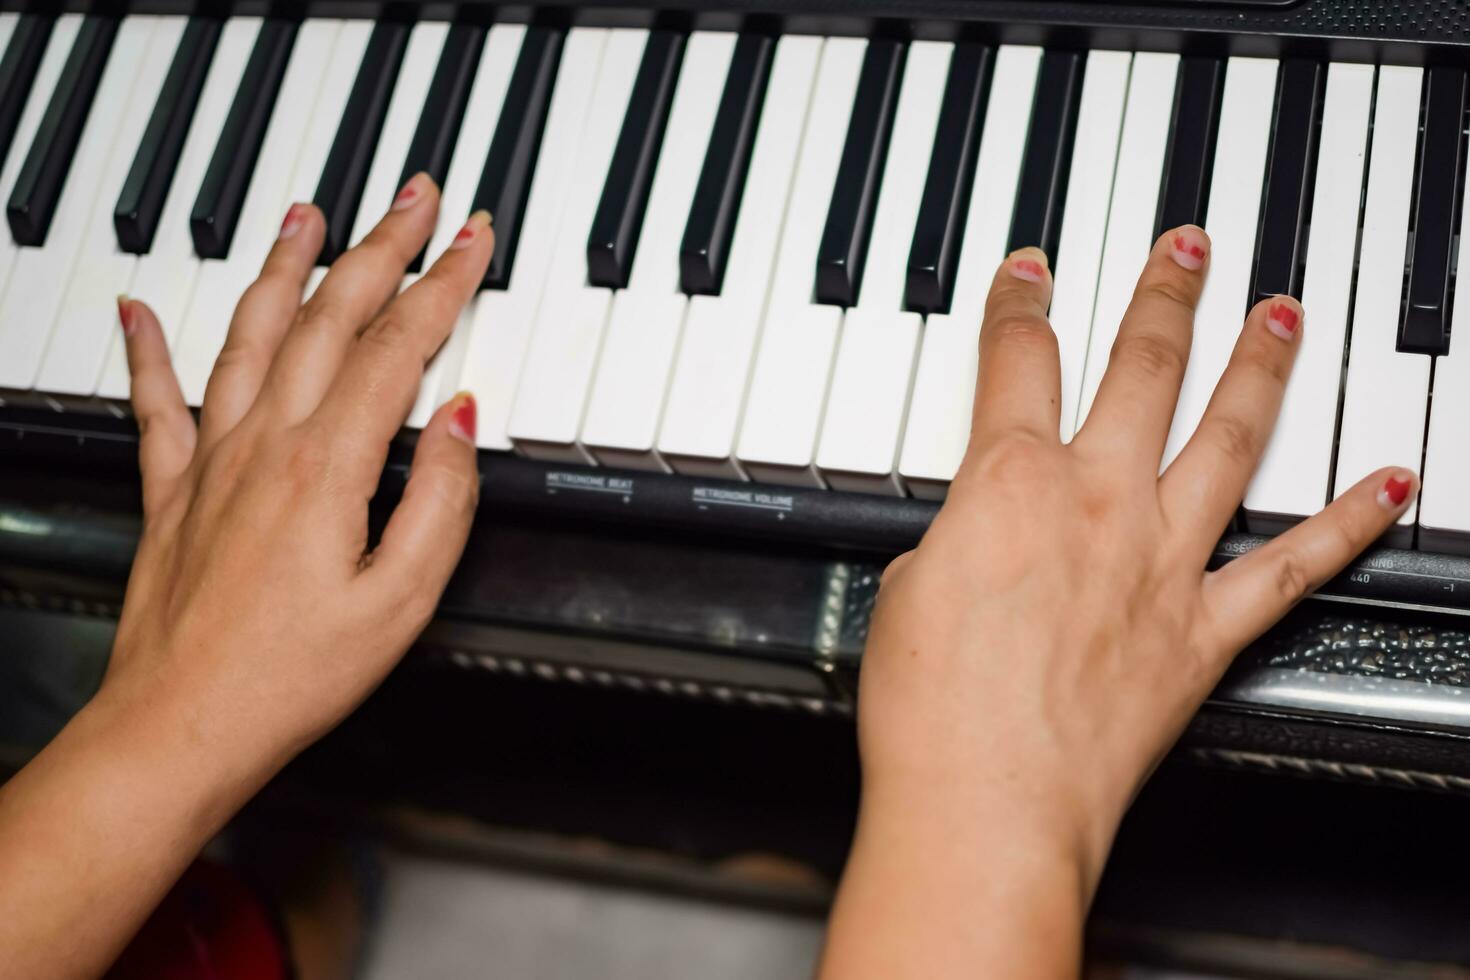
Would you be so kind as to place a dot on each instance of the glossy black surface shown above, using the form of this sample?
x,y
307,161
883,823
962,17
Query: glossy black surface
x,y
940,227
505,184
216,210
18,72
1424,328
613,240
1047,166
1190,157
1282,237
843,250
705,248
42,178
345,174
135,217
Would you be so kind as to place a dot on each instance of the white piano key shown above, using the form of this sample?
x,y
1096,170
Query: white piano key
x,y
420,58
632,377
482,115
502,319
788,387
87,319
222,282
858,446
1444,501
164,278
39,275
938,427
1133,210
63,34
1231,220
1085,220
720,332
1384,392
1295,475
337,80
556,374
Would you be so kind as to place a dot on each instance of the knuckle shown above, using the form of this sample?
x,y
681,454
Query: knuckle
x,y
317,317
392,332
1292,580
1022,330
1015,458
894,568
1236,438
306,461
1150,354
1261,359
1166,290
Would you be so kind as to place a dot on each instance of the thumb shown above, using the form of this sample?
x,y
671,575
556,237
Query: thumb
x,y
427,532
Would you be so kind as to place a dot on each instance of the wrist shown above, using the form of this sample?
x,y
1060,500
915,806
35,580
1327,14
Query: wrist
x,y
1019,818
168,752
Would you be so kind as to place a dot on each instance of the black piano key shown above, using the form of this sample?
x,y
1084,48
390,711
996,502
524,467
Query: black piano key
x,y
443,111
43,175
345,174
1282,237
711,226
141,202
844,247
222,193
941,225
1189,158
505,185
444,104
1047,165
1424,327
614,237
18,72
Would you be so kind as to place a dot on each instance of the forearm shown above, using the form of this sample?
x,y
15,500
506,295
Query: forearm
x,y
946,891
95,830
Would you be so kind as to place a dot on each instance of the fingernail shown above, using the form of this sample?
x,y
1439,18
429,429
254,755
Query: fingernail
x,y
462,418
1187,247
409,195
477,223
291,224
1282,319
125,314
1395,490
1028,264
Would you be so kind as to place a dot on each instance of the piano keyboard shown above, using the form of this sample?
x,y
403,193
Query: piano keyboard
x,y
748,257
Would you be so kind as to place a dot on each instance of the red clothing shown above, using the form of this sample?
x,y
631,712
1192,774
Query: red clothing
x,y
210,926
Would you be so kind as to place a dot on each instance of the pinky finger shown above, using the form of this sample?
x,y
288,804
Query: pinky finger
x,y
166,432
1247,596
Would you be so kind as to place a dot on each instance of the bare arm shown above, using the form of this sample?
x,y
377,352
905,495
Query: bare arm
x,y
1038,653
256,617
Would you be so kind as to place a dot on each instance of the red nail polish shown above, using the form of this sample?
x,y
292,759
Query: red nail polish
x,y
1184,248
462,419
1396,490
464,236
1028,269
291,224
1284,316
406,196
125,315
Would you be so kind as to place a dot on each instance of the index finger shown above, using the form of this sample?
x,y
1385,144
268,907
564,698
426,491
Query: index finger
x,y
1019,384
373,393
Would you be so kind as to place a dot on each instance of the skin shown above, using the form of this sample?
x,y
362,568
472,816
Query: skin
x,y
1001,740
1032,660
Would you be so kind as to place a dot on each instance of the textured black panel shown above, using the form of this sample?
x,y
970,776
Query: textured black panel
x,y
1172,25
